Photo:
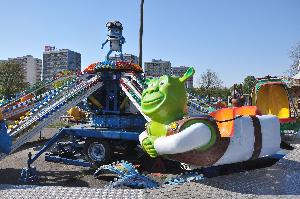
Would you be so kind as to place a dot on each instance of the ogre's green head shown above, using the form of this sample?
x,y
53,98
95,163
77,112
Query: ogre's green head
x,y
165,98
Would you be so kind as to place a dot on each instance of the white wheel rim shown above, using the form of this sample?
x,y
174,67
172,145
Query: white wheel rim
x,y
96,152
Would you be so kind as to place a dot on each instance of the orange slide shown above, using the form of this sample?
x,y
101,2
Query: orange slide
x,y
225,118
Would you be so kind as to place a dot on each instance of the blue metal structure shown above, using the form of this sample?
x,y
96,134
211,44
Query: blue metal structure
x,y
77,134
100,133
93,143
5,139
111,80
128,175
184,178
135,122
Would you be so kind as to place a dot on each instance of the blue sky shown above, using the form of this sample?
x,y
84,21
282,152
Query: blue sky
x,y
234,38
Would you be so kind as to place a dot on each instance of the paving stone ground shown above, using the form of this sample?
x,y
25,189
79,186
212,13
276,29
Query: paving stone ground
x,y
281,180
33,191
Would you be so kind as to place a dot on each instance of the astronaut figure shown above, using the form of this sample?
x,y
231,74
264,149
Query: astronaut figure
x,y
115,38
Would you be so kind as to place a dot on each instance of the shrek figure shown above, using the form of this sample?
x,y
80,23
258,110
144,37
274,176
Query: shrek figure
x,y
197,141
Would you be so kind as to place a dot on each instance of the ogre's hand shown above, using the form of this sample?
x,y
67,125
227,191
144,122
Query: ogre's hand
x,y
148,145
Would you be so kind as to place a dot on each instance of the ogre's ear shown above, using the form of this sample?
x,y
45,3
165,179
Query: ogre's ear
x,y
189,73
147,81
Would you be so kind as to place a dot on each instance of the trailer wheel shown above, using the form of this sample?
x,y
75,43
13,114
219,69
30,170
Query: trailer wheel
x,y
97,151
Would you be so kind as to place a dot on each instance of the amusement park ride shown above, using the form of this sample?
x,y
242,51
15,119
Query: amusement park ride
x,y
120,102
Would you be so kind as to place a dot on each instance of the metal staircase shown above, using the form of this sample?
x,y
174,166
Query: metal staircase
x,y
47,114
11,109
133,95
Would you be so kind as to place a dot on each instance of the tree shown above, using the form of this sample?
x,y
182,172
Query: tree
x,y
141,33
209,82
222,92
295,57
11,79
248,84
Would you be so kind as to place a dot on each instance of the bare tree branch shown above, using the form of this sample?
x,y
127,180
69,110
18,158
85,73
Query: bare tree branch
x,y
209,82
295,57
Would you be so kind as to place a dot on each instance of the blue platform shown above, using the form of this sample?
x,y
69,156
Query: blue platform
x,y
87,131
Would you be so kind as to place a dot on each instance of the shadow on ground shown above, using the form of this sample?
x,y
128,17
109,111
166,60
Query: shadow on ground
x,y
57,178
280,179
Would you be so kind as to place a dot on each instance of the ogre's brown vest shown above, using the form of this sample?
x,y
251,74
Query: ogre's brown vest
x,y
200,157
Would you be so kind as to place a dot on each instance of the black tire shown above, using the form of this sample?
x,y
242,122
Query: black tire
x,y
97,151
